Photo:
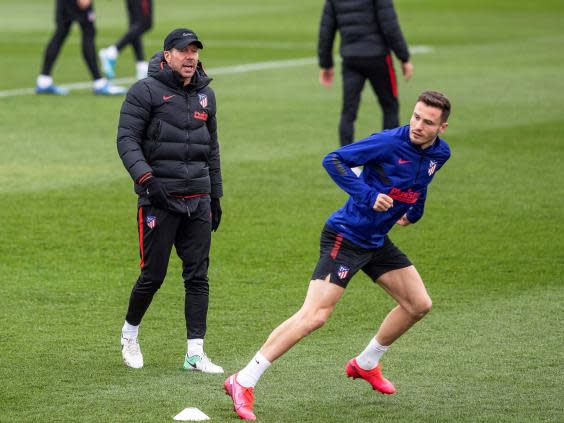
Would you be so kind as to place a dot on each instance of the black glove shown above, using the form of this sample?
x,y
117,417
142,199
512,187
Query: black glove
x,y
215,213
156,193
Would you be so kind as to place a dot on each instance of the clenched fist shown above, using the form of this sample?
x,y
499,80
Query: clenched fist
x,y
383,203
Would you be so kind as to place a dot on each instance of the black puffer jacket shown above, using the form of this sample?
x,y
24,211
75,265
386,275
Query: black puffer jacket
x,y
171,131
368,28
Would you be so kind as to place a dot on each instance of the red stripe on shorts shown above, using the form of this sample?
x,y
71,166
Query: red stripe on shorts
x,y
336,246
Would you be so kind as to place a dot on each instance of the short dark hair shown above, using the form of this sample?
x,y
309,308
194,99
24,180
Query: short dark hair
x,y
438,100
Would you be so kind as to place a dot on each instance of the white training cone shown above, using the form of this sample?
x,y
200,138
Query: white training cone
x,y
191,414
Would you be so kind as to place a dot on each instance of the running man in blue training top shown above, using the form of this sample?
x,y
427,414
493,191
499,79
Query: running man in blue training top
x,y
399,164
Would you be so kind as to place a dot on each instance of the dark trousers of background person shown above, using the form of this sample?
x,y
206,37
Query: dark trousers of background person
x,y
190,233
380,72
67,11
140,21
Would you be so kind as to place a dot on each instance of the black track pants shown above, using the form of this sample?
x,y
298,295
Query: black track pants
x,y
140,21
380,72
66,13
190,233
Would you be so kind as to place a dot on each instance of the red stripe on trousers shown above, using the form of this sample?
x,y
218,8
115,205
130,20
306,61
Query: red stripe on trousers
x,y
392,73
141,248
145,7
336,246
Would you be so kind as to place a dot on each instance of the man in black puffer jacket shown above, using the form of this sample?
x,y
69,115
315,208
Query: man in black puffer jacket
x,y
167,140
369,30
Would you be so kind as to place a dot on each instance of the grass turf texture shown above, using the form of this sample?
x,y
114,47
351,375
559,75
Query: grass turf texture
x,y
490,245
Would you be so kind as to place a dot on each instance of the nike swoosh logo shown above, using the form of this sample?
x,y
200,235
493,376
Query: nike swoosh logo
x,y
237,405
192,365
168,97
401,161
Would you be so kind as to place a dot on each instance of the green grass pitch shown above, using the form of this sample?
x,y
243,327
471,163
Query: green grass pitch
x,y
490,246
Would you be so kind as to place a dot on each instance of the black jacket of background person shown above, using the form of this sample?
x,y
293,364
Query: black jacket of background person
x,y
171,131
368,28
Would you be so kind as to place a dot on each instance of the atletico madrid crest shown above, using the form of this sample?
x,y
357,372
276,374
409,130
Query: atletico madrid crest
x,y
432,167
203,99
151,221
343,271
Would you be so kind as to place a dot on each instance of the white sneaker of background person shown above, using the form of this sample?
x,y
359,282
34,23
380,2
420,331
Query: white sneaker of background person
x,y
108,58
45,85
196,359
141,70
103,87
130,350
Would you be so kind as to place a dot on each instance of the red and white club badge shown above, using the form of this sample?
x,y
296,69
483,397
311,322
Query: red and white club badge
x,y
203,99
432,167
151,221
343,271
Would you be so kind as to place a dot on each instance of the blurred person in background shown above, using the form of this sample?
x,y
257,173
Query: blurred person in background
x,y
140,13
369,31
67,12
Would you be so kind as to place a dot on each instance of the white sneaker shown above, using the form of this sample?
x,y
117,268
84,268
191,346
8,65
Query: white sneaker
x,y
108,63
131,353
110,90
141,70
202,364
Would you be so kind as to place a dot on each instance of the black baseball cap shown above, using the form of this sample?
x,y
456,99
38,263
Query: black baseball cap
x,y
180,38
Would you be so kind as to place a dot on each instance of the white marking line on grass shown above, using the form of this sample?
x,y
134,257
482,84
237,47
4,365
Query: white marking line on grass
x,y
191,414
249,67
271,45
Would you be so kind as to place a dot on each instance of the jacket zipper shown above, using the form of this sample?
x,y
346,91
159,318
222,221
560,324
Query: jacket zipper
x,y
187,98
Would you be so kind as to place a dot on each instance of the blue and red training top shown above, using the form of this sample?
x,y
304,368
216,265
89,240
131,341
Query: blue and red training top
x,y
393,165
